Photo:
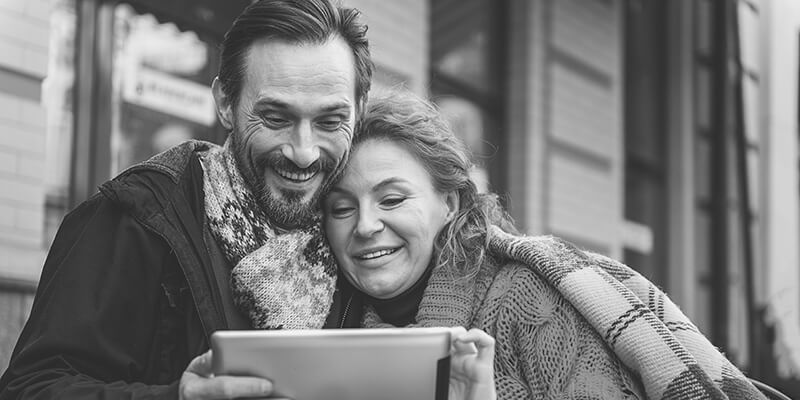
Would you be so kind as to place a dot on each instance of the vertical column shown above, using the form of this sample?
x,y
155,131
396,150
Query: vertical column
x,y
24,38
680,116
526,100
781,226
721,94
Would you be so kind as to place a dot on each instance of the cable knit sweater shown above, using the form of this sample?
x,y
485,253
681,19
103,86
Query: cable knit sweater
x,y
564,327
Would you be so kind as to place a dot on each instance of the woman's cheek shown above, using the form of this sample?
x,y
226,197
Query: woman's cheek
x,y
338,239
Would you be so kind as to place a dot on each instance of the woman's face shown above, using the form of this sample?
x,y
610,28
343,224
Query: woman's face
x,y
382,218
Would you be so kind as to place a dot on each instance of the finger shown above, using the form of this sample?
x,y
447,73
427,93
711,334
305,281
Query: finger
x,y
201,365
478,341
484,342
457,343
474,335
460,347
229,387
456,332
477,336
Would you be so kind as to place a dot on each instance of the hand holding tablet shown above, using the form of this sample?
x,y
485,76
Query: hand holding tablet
x,y
199,383
471,365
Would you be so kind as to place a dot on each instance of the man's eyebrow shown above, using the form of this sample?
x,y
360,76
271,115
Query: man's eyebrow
x,y
273,102
338,106
280,104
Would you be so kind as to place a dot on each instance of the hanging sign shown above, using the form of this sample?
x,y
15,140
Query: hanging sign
x,y
171,95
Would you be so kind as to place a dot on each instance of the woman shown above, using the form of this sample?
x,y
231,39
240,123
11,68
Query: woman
x,y
410,231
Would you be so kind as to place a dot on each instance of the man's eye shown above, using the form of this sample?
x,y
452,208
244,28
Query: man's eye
x,y
275,122
330,124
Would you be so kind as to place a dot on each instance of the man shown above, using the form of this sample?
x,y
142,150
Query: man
x,y
203,237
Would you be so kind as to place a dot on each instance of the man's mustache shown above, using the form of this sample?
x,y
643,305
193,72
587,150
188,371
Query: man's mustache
x,y
277,160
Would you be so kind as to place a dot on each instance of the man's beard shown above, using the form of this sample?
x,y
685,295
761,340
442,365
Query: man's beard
x,y
286,209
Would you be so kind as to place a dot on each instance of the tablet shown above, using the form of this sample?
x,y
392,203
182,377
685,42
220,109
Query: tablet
x,y
340,364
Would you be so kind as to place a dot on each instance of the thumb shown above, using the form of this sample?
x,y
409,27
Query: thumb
x,y
202,365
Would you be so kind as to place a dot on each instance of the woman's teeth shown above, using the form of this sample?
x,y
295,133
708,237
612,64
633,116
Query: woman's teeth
x,y
376,254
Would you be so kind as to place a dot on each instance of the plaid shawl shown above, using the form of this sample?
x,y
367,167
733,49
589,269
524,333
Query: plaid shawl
x,y
643,327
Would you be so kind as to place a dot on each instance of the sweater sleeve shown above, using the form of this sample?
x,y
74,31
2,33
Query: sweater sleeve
x,y
94,318
545,349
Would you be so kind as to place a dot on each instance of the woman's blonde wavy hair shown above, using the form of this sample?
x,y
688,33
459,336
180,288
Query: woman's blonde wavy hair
x,y
402,117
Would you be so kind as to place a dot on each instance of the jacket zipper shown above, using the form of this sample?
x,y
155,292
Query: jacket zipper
x,y
189,285
346,310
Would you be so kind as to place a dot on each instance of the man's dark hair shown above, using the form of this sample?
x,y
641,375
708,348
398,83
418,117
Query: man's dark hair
x,y
294,21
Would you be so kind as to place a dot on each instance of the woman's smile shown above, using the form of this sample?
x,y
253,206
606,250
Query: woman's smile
x,y
374,254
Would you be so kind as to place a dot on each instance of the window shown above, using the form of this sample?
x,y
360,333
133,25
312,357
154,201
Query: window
x,y
645,139
160,88
468,60
57,95
144,68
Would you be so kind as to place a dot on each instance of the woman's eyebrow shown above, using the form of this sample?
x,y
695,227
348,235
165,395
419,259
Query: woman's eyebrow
x,y
380,185
388,182
337,189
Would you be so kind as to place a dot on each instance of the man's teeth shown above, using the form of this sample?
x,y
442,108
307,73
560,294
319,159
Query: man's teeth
x,y
294,176
376,254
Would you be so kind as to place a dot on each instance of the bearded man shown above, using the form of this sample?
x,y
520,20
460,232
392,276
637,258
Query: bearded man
x,y
205,237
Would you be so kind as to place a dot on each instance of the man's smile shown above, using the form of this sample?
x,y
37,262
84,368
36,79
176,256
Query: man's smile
x,y
296,176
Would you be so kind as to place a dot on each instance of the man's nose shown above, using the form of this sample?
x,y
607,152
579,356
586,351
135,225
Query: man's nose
x,y
302,149
369,223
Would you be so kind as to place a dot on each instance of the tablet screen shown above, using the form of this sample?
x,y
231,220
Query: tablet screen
x,y
339,364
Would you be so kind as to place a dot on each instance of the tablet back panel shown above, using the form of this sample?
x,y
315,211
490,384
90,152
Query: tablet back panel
x,y
342,364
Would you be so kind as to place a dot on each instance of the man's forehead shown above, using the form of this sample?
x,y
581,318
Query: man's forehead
x,y
275,52
277,71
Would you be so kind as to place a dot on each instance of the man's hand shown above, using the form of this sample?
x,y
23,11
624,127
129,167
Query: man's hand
x,y
471,365
198,382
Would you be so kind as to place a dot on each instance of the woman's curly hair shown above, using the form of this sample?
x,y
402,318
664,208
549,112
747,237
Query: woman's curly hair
x,y
401,117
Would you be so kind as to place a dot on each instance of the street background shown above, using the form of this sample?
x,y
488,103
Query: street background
x,y
661,133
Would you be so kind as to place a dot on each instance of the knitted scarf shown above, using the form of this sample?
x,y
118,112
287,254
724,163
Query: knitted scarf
x,y
279,280
643,327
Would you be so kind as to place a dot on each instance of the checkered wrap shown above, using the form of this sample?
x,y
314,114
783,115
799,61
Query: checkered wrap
x,y
643,327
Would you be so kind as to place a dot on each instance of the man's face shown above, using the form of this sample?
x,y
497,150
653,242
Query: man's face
x,y
293,124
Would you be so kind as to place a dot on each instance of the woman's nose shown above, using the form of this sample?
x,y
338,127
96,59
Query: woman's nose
x,y
302,149
368,224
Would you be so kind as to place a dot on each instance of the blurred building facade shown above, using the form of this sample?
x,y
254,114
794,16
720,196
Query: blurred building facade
x,y
664,134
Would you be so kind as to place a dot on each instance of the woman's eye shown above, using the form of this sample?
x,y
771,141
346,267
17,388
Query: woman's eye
x,y
392,201
341,211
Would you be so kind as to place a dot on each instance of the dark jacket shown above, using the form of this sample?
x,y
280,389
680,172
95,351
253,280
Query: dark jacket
x,y
131,289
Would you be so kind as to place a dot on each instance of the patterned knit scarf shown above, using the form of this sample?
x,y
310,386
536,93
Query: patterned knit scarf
x,y
279,280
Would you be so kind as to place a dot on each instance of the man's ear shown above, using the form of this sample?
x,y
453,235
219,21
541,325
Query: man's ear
x,y
453,203
223,103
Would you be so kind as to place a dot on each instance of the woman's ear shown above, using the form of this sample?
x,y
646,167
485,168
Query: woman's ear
x,y
453,203
223,103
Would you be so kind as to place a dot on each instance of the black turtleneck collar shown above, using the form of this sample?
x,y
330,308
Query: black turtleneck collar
x,y
401,310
